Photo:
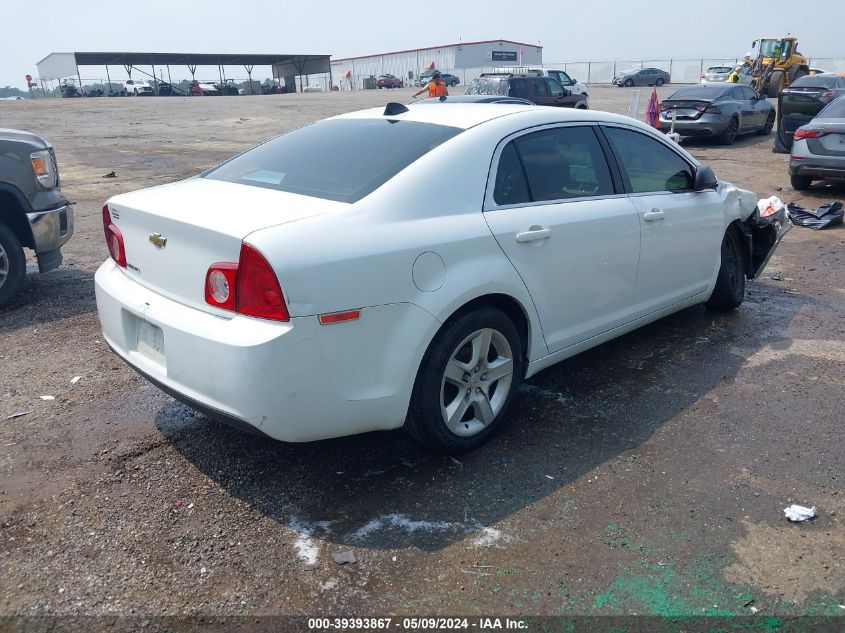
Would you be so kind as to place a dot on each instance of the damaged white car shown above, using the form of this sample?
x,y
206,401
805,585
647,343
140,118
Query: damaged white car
x,y
307,289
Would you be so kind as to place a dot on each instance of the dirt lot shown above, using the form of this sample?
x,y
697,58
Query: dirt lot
x,y
647,476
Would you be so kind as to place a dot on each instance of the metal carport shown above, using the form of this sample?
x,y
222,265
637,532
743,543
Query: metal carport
x,y
284,65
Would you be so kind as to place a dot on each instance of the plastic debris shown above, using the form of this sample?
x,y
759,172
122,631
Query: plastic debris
x,y
342,558
111,174
821,217
777,277
798,513
457,463
17,414
75,380
47,397
769,206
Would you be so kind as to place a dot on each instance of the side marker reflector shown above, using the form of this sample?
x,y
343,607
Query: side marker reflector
x,y
339,317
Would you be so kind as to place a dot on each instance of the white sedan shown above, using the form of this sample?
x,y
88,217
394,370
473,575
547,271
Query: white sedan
x,y
411,266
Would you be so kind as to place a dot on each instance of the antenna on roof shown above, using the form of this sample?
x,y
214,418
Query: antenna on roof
x,y
393,108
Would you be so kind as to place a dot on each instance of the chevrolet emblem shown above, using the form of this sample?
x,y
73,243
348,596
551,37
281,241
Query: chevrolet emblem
x,y
157,240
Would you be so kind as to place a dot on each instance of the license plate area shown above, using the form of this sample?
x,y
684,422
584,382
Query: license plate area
x,y
145,338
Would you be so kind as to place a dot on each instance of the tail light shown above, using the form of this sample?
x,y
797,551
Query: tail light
x,y
825,97
712,110
247,287
809,133
114,239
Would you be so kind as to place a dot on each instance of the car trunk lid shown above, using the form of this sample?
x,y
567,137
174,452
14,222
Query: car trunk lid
x,y
685,109
173,233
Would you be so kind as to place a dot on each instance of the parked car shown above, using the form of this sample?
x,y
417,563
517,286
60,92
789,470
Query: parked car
x,y
818,151
202,88
539,90
69,90
642,77
723,111
564,79
228,87
476,99
799,103
449,79
720,74
414,314
137,88
389,81
819,71
33,212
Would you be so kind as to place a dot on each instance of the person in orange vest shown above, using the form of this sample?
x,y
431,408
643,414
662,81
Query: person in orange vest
x,y
436,87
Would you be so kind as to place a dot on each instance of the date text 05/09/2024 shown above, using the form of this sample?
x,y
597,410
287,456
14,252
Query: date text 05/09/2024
x,y
417,624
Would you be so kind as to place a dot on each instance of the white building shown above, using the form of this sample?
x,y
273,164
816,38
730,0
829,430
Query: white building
x,y
466,60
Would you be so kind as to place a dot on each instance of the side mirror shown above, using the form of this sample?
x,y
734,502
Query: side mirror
x,y
705,179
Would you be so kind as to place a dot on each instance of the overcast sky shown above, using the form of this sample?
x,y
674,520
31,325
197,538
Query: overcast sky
x,y
569,31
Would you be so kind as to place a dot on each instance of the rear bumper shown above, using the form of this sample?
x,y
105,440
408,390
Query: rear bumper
x,y
816,166
50,230
699,127
297,381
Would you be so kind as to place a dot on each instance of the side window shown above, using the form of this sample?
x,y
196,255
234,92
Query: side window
x,y
519,88
748,93
541,87
563,163
648,163
736,93
555,89
563,78
511,187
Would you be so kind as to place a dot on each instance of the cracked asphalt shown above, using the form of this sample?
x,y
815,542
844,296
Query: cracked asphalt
x,y
646,476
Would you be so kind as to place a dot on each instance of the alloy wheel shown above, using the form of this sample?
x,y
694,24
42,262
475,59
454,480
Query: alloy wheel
x,y
476,382
4,266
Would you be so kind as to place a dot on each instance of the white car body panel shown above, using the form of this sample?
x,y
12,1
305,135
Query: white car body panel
x,y
407,263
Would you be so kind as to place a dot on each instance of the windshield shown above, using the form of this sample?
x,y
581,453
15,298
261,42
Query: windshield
x,y
698,92
324,159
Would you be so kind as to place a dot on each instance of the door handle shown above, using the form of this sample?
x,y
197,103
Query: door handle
x,y
533,234
654,215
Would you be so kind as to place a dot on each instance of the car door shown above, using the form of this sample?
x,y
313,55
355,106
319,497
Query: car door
x,y
759,104
540,91
559,214
558,95
682,229
747,121
642,78
519,88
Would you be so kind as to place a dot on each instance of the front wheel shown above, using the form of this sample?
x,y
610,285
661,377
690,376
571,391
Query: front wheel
x,y
629,83
12,265
730,283
466,381
770,123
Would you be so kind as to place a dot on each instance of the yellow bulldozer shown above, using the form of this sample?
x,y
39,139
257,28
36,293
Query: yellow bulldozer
x,y
778,64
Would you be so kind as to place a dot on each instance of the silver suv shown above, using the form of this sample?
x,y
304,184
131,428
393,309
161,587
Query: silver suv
x,y
33,212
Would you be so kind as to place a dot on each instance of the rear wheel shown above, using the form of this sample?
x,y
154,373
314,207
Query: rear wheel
x,y
466,381
770,123
730,284
729,135
12,265
800,183
659,82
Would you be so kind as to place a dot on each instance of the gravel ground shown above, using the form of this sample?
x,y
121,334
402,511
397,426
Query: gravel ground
x,y
646,476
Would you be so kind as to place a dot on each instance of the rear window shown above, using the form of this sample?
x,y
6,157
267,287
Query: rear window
x,y
336,159
700,91
814,81
719,69
806,104
834,110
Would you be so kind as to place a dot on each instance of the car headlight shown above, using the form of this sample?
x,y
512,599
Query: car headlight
x,y
42,165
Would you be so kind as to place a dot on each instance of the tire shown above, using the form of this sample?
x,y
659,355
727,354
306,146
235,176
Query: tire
x,y
770,123
12,265
775,84
136,92
629,83
479,405
729,136
454,83
800,183
659,82
730,283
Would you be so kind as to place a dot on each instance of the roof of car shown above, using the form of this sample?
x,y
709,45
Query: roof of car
x,y
467,115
